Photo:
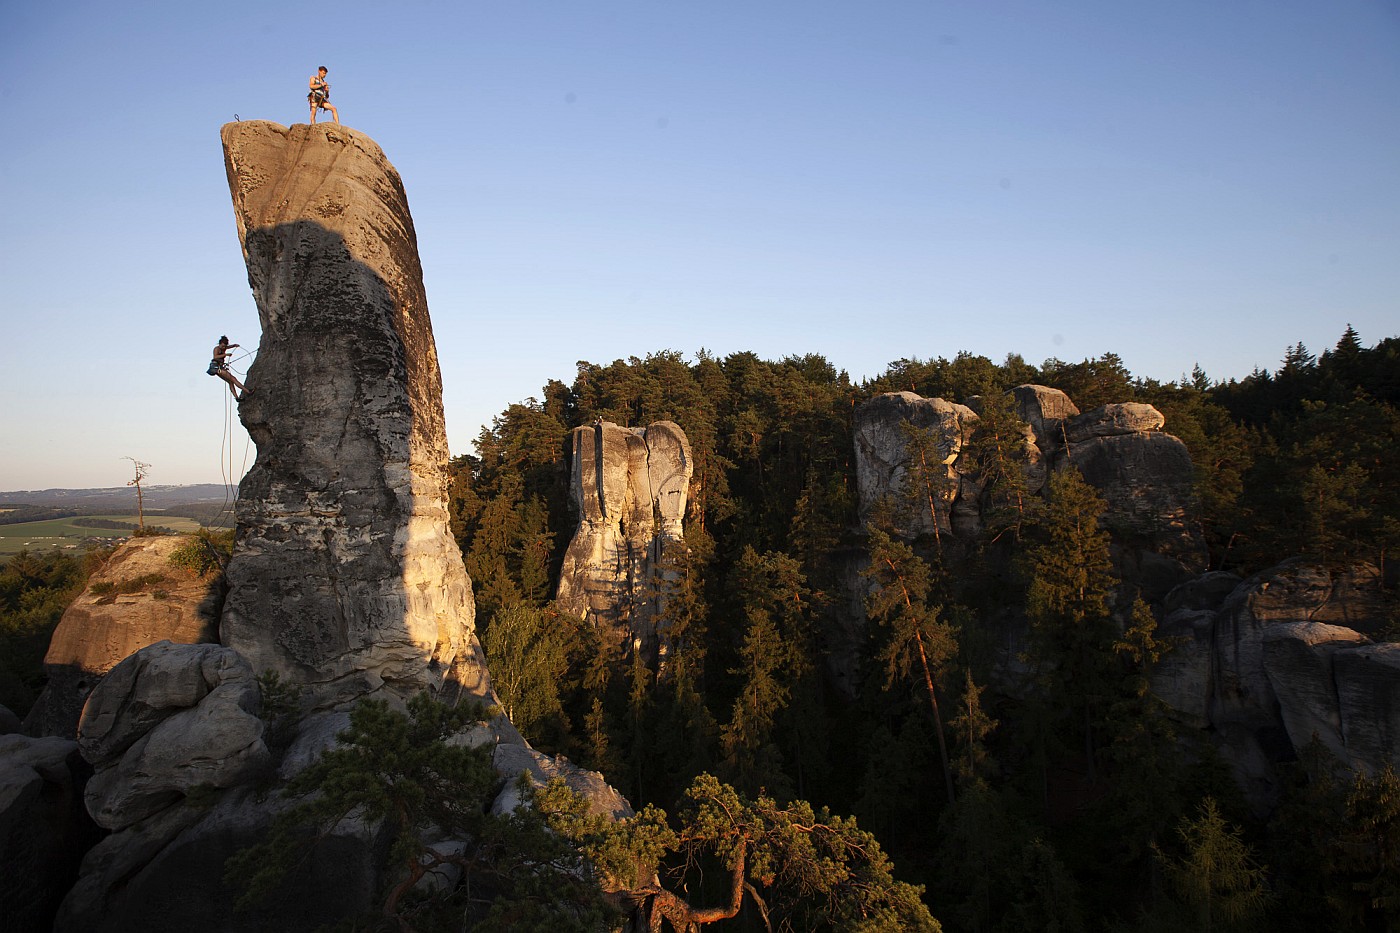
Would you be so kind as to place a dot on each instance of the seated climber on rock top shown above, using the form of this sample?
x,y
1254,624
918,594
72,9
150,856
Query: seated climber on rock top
x,y
218,366
320,96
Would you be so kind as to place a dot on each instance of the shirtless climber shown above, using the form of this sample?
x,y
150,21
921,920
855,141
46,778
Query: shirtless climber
x,y
320,96
218,366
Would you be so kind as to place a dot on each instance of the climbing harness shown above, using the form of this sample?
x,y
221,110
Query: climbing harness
x,y
226,443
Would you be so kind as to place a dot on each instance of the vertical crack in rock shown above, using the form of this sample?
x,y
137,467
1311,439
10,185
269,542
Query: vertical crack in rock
x,y
630,487
344,575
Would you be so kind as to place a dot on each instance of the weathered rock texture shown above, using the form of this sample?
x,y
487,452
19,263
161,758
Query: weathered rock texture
x,y
344,576
1270,662
1144,475
102,627
166,720
43,828
883,460
629,485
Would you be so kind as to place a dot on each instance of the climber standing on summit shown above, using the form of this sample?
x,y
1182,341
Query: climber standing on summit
x,y
218,366
320,96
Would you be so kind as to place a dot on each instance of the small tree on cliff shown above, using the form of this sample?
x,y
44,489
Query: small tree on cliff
x,y
141,470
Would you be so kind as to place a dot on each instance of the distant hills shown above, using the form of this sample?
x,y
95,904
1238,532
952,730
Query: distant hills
x,y
120,498
206,503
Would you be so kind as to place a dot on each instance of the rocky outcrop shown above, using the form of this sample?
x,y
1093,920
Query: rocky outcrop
x,y
137,598
1271,663
167,720
42,827
629,485
1144,475
345,576
884,428
511,761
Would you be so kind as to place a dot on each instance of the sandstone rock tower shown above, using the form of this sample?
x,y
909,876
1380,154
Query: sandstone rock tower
x,y
630,487
345,577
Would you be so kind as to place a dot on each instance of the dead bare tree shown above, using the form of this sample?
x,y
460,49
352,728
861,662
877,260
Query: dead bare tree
x,y
141,469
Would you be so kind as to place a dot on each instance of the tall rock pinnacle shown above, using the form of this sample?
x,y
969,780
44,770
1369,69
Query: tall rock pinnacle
x,y
345,577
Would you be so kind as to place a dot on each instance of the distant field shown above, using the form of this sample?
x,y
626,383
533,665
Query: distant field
x,y
64,533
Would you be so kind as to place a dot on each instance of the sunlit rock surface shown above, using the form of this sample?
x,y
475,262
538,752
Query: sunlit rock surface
x,y
345,576
114,617
629,485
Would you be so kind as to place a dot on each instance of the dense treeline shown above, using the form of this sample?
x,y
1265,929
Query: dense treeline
x,y
35,589
811,658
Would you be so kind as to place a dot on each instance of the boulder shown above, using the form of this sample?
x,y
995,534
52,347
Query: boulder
x,y
43,828
511,761
630,486
1299,661
114,617
1368,694
1046,410
166,874
1147,482
167,720
345,577
1113,420
1183,678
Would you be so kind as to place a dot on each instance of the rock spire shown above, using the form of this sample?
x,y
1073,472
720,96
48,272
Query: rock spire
x,y
345,576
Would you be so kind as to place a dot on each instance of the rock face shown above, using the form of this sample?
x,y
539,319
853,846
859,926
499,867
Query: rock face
x,y
883,458
629,485
1144,475
166,720
1270,662
105,625
344,575
42,827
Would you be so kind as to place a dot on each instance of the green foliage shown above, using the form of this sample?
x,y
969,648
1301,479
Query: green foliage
x,y
206,551
399,770
801,868
527,653
1085,768
1217,878
35,589
899,601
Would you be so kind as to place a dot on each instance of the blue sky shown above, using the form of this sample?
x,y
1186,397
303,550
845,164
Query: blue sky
x,y
1186,183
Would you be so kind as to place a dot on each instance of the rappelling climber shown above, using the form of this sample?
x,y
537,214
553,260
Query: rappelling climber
x,y
320,96
218,366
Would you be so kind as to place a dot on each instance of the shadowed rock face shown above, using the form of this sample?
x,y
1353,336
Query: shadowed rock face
x,y
630,488
344,576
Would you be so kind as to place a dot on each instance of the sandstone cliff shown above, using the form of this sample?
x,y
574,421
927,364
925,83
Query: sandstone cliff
x,y
344,576
630,486
1144,475
136,599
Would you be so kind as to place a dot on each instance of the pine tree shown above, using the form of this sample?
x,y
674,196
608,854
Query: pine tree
x,y
774,656
898,600
1071,576
1217,877
928,487
999,456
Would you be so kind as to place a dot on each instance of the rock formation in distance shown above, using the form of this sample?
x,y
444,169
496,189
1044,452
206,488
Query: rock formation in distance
x,y
630,487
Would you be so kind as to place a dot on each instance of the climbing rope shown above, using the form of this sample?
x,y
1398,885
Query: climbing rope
x,y
226,443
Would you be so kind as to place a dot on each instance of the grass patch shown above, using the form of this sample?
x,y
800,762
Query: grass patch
x,y
65,533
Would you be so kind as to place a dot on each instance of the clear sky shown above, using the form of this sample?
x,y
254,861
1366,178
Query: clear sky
x,y
1179,183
